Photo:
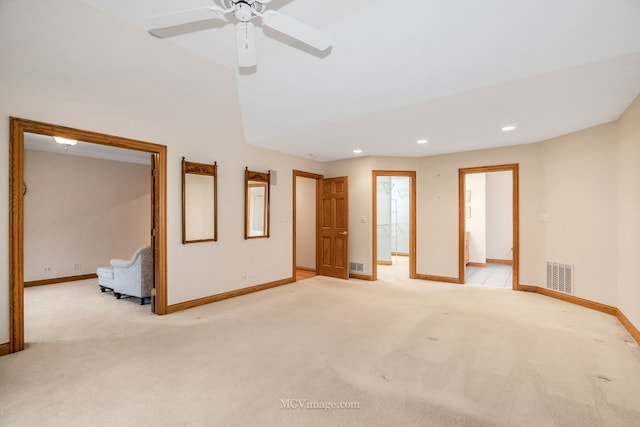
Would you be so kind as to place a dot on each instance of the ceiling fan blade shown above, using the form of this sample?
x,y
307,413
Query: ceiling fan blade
x,y
246,42
296,29
186,16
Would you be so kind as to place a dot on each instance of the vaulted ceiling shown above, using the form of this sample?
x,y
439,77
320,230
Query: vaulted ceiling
x,y
453,72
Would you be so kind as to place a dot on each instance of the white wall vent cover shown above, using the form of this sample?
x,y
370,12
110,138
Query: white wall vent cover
x,y
560,277
356,267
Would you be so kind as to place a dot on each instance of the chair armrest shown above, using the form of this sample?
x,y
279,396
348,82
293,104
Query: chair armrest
x,y
122,263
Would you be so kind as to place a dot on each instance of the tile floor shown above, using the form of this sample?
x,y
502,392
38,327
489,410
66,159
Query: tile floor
x,y
491,276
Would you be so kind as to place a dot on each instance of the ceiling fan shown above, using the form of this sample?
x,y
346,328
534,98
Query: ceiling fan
x,y
244,11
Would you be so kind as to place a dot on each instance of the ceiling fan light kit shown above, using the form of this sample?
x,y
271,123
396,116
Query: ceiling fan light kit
x,y
244,11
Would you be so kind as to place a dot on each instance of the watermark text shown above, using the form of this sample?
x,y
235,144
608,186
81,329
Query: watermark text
x,y
316,404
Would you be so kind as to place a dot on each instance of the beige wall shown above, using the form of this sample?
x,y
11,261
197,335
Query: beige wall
x,y
222,266
476,224
579,185
83,211
358,172
628,209
499,215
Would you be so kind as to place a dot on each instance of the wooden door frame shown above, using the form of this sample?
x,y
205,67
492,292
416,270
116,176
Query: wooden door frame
x,y
515,199
412,219
17,129
318,178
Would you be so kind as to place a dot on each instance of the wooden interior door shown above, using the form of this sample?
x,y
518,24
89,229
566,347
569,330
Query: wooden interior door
x,y
333,235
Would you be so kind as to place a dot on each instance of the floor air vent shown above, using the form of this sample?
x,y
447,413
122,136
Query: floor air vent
x,y
356,267
560,277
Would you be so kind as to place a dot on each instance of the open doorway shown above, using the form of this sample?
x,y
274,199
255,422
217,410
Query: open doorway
x,y
393,224
82,207
305,197
157,232
488,223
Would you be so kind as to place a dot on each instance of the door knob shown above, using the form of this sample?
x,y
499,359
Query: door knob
x,y
344,233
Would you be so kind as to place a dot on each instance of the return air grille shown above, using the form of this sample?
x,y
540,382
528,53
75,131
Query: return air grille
x,y
560,277
356,267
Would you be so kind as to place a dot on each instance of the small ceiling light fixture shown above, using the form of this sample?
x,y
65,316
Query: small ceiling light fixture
x,y
423,141
508,128
357,151
64,141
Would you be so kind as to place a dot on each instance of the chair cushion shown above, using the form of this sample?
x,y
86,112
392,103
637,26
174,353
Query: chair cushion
x,y
105,271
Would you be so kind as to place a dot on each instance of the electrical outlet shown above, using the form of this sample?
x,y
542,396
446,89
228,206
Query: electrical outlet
x,y
47,269
546,218
76,266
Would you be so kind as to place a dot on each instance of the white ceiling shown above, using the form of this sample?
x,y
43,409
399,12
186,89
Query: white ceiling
x,y
454,72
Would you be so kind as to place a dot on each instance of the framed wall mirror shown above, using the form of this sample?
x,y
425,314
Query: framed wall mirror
x,y
199,202
256,198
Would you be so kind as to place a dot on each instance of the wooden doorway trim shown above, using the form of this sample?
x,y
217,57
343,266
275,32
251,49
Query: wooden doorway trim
x,y
515,184
17,129
318,178
412,220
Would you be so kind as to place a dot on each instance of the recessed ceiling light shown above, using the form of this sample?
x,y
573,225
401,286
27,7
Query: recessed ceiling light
x,y
508,128
64,141
357,151
423,141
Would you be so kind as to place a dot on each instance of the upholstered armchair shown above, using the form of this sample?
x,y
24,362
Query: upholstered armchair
x,y
133,277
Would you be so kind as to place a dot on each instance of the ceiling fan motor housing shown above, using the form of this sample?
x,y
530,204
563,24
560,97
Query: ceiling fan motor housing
x,y
244,10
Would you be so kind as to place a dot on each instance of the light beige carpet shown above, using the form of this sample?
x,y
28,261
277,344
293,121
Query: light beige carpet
x,y
407,353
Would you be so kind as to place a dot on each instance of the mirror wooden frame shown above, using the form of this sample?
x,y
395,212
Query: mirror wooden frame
x,y
263,179
204,169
